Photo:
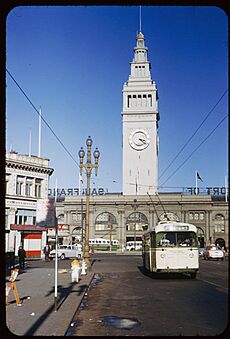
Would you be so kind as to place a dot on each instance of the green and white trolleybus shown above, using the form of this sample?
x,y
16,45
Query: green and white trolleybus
x,y
171,247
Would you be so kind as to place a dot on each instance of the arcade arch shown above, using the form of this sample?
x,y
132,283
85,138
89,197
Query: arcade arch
x,y
135,224
105,221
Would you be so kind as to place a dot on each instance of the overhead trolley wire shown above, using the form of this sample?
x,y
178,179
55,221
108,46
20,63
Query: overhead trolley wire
x,y
154,206
195,149
59,140
187,142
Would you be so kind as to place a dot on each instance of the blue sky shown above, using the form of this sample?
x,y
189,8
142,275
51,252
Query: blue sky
x,y
73,62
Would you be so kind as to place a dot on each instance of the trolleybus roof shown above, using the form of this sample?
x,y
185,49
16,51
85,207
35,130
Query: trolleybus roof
x,y
173,226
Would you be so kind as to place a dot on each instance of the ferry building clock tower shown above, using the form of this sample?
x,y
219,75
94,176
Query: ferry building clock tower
x,y
140,118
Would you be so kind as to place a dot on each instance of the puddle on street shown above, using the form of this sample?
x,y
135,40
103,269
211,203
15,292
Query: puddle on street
x,y
122,323
96,280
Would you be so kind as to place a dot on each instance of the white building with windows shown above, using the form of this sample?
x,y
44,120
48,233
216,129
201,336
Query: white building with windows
x,y
140,118
27,179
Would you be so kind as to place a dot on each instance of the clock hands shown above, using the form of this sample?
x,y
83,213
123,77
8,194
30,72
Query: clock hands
x,y
142,140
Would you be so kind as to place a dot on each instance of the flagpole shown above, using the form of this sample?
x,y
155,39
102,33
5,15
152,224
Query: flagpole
x,y
56,256
30,144
196,183
39,131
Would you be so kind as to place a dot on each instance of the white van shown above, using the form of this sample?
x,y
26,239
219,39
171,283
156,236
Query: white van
x,y
134,245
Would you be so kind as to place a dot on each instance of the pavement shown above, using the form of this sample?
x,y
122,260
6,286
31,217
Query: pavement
x,y
37,316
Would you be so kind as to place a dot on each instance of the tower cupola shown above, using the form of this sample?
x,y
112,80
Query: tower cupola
x,y
140,51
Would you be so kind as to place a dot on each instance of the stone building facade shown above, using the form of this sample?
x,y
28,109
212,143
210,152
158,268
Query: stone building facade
x,y
124,217
27,180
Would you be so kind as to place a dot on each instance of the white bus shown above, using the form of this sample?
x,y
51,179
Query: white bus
x,y
171,247
103,244
134,245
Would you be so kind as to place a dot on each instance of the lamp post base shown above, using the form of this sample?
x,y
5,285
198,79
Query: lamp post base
x,y
87,262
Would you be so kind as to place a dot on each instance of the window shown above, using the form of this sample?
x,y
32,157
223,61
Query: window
x,y
25,217
105,222
19,185
149,100
136,221
29,183
181,239
7,183
129,100
219,223
38,183
201,216
196,216
6,219
140,43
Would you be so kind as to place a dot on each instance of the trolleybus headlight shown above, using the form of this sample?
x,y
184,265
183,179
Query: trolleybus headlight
x,y
162,255
191,255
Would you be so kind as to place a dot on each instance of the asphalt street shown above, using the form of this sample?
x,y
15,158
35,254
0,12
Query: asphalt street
x,y
125,301
117,298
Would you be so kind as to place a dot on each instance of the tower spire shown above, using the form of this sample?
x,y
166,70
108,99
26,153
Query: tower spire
x,y
140,19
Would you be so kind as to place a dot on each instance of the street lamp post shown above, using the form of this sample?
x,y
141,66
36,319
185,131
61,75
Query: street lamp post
x,y
88,167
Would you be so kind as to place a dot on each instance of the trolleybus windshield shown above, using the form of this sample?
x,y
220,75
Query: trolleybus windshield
x,y
177,239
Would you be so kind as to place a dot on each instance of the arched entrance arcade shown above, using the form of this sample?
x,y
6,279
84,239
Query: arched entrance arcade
x,y
136,223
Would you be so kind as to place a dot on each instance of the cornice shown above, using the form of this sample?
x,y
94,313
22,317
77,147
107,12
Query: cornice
x,y
29,167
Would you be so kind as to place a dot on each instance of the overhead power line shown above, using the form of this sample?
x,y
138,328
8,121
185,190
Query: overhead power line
x,y
187,142
195,150
52,131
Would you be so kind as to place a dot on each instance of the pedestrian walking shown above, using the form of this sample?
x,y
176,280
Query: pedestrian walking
x,y
21,257
46,252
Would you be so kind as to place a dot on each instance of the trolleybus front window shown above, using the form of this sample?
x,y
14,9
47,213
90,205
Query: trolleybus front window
x,y
166,239
186,239
170,239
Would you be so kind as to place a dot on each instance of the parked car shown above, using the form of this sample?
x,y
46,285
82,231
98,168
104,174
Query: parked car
x,y
66,251
213,252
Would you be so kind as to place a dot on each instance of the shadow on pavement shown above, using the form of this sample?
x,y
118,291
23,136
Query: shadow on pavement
x,y
164,276
63,293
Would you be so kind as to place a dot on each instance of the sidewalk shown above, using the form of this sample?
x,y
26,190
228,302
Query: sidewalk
x,y
36,315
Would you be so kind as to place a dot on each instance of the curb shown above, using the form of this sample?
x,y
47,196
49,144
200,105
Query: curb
x,y
77,309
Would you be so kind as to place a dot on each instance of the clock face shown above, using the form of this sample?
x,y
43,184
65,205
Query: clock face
x,y
139,139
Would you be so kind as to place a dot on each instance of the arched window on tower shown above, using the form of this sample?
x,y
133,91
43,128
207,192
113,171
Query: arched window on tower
x,y
129,101
149,100
139,101
134,100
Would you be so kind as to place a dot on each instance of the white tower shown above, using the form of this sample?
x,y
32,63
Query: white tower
x,y
140,126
